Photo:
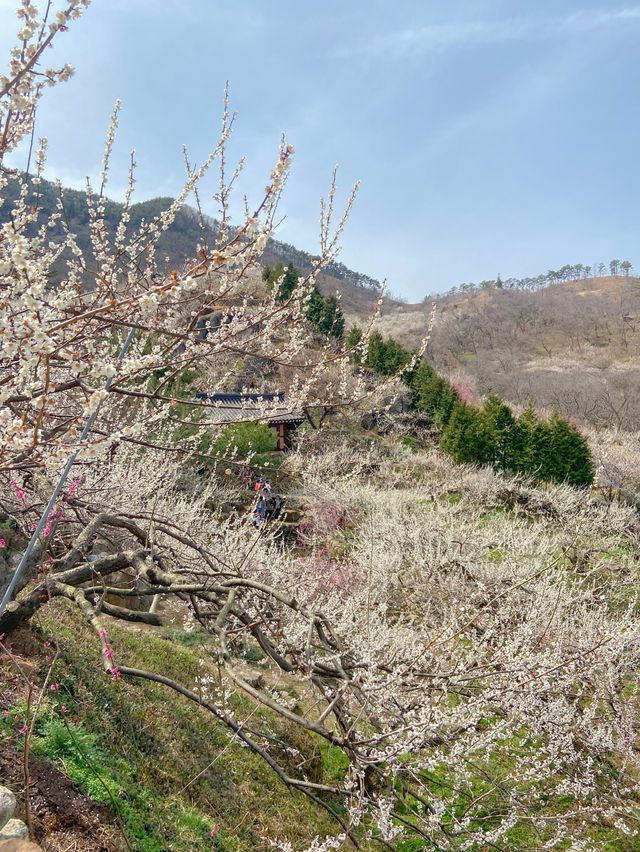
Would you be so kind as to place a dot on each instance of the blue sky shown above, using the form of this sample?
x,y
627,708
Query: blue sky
x,y
490,136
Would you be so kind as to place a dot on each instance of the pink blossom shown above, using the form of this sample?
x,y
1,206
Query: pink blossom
x,y
18,492
23,729
115,673
54,516
73,488
54,687
463,390
327,573
63,709
214,831
3,542
320,521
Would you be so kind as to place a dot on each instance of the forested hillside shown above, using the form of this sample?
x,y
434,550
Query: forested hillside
x,y
571,346
187,229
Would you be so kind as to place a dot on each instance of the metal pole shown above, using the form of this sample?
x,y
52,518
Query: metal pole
x,y
60,484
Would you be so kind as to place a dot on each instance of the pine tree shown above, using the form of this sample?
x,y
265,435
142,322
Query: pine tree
x,y
465,436
570,455
501,430
432,395
325,315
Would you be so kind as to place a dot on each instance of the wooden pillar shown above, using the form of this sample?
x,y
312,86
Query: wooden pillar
x,y
281,432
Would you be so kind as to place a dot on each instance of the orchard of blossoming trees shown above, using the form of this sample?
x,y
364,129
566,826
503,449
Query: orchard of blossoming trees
x,y
466,671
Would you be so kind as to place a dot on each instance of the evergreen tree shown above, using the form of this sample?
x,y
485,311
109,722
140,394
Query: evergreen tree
x,y
325,315
288,283
331,319
432,395
386,357
534,456
375,353
353,338
570,455
501,430
465,436
553,450
396,356
315,308
447,400
351,341
521,432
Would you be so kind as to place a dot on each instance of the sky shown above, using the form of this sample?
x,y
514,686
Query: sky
x,y
490,136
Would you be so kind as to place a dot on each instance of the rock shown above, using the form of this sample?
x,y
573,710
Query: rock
x,y
7,805
255,680
15,829
387,406
19,846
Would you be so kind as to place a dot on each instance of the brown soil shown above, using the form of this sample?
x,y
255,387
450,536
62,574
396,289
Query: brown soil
x,y
64,820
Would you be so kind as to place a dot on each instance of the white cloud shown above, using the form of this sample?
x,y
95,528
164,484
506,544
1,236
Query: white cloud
x,y
438,37
581,22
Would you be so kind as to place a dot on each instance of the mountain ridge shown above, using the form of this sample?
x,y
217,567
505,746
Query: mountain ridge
x,y
188,223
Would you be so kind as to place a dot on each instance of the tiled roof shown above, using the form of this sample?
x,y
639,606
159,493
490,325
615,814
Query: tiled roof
x,y
238,407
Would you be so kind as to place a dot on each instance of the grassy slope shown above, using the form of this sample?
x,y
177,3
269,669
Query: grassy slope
x,y
147,744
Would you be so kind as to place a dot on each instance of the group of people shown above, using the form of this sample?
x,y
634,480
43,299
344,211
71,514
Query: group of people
x,y
268,504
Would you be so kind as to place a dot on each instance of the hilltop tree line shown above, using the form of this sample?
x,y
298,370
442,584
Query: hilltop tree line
x,y
322,312
568,272
487,434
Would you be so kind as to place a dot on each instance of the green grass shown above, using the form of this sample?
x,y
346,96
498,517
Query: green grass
x,y
495,770
135,746
334,763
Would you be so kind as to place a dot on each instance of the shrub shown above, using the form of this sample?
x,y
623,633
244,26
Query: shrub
x,y
386,357
241,439
466,437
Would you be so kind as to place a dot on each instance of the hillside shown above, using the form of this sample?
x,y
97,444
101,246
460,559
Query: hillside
x,y
175,246
268,579
571,346
401,651
120,759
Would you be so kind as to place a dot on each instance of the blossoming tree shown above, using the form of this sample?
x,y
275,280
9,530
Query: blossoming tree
x,y
435,657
